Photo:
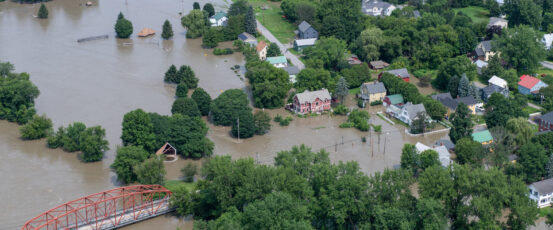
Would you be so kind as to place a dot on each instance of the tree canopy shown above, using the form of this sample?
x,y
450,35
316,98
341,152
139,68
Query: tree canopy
x,y
227,106
123,27
521,48
195,23
203,100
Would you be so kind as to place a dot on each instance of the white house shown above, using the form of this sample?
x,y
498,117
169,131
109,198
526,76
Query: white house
x,y
292,72
409,112
377,8
279,62
547,40
443,154
495,80
542,192
219,19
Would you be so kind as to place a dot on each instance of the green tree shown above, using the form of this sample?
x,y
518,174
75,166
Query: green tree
x,y
453,86
37,128
330,52
182,90
250,24
93,144
123,27
189,171
70,139
430,214
196,6
244,125
151,171
277,209
203,100
17,96
462,123
469,151
228,105
262,122
306,11
549,167
409,158
126,159
269,84
6,68
520,47
419,123
523,12
167,32
273,50
357,75
429,158
499,110
464,87
181,200
138,130
187,75
313,79
521,130
171,75
42,11
239,7
185,106
454,67
368,44
342,89
434,109
342,13
208,7
533,158
212,37
195,23
467,40
494,68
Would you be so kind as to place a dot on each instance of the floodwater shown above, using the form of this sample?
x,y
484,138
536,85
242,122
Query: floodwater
x,y
97,82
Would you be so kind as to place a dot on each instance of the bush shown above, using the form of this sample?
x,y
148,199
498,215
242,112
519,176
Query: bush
x,y
376,103
359,119
182,90
347,125
77,137
123,28
189,171
277,118
219,51
341,110
203,100
36,128
185,106
151,171
360,103
286,121
126,159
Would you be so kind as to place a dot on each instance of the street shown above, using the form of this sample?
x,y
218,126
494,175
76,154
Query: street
x,y
283,48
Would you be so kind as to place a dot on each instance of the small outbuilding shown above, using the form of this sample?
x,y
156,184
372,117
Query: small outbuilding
x,y
146,32
378,64
483,137
168,151
248,38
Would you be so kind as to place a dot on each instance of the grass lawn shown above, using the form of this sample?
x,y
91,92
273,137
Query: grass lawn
x,y
291,50
478,119
174,184
477,14
530,110
272,19
355,91
545,71
544,211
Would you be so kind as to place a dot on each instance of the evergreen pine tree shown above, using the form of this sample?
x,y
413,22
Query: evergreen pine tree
x,y
473,91
208,7
250,23
171,75
42,11
167,32
120,16
273,50
464,85
342,89
182,90
453,86
196,5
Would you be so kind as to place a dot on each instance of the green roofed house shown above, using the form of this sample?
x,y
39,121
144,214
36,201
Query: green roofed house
x,y
483,137
395,99
279,62
219,19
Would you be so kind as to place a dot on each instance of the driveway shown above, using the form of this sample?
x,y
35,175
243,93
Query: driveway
x,y
283,47
547,64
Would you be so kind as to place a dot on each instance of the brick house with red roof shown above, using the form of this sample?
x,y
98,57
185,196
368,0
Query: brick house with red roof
x,y
311,102
530,85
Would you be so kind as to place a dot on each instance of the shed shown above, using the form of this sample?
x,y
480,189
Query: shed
x,y
146,32
378,64
483,137
300,44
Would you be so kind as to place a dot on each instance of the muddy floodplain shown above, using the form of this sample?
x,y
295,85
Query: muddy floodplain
x,y
97,82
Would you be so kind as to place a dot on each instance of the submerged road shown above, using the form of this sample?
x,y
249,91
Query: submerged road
x,y
283,48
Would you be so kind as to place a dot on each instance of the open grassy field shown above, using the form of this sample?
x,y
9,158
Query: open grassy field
x,y
545,71
173,184
477,14
270,15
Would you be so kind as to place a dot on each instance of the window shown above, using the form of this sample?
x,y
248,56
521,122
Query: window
x,y
543,201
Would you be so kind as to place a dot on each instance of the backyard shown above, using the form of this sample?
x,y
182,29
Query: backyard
x,y
270,15
477,14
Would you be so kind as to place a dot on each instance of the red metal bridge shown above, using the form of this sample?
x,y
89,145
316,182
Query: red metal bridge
x,y
106,210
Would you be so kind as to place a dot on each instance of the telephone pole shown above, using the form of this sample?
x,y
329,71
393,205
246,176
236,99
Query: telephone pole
x,y
238,121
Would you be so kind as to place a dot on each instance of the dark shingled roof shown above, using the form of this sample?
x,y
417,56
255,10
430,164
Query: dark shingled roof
x,y
403,73
373,88
292,70
543,187
448,101
547,117
304,26
447,143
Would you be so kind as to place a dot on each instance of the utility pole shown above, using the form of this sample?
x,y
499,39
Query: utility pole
x,y
238,121
371,142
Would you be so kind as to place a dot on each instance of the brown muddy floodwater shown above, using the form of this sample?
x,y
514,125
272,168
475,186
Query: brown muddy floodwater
x,y
97,82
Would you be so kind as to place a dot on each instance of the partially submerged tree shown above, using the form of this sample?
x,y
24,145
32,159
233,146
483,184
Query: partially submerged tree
x,y
167,32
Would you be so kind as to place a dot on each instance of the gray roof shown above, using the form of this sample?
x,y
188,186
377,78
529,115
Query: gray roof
x,y
468,100
304,26
487,45
441,96
292,70
403,73
543,187
308,96
305,42
372,88
413,110
547,117
245,37
448,101
447,143
490,89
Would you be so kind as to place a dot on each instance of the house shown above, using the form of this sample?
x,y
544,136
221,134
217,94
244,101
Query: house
x,y
300,44
446,143
547,40
396,99
542,192
545,122
306,31
530,85
480,65
409,112
279,62
495,80
451,104
495,21
374,91
402,73
490,89
292,72
219,19
311,102
261,50
354,60
378,64
484,51
168,151
443,154
483,137
377,8
247,38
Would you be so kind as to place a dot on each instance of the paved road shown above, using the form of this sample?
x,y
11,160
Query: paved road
x,y
534,106
283,47
547,64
